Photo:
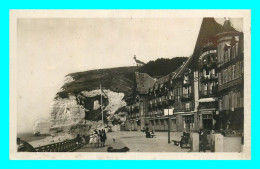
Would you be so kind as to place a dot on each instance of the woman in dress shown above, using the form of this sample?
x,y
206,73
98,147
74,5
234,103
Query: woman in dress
x,y
91,139
96,139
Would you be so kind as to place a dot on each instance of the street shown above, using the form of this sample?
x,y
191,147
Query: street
x,y
137,142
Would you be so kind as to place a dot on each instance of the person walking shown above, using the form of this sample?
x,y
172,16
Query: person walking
x,y
103,138
203,141
99,138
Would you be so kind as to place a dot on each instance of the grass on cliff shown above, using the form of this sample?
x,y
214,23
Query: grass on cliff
x,y
119,79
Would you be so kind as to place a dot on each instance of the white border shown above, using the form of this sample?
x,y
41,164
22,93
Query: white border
x,y
245,14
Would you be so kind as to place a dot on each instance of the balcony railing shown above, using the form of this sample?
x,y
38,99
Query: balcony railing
x,y
136,106
65,146
210,77
164,98
208,105
186,96
232,83
208,93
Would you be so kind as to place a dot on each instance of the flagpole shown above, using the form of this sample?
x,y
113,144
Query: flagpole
x,y
101,104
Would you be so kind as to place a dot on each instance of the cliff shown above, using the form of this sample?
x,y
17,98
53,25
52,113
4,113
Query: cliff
x,y
76,107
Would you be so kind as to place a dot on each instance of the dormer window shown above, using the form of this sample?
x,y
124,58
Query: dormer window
x,y
186,79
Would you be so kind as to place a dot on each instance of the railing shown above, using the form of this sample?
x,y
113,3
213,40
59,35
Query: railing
x,y
164,98
133,116
158,100
65,146
136,106
231,83
208,92
208,105
209,78
186,96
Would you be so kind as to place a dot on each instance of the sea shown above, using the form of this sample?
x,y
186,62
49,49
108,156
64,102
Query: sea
x,y
31,137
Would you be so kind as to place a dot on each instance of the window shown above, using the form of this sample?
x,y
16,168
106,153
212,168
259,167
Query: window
x,y
220,105
207,116
207,72
213,71
173,121
205,89
233,72
226,75
152,122
189,119
156,122
236,50
204,72
162,121
219,78
187,105
186,77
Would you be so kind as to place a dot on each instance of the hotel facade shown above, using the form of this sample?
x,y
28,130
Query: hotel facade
x,y
205,92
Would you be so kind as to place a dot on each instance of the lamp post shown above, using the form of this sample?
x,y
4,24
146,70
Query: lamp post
x,y
169,127
169,121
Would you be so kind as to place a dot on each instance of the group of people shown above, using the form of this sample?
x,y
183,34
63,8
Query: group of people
x,y
98,138
81,140
149,134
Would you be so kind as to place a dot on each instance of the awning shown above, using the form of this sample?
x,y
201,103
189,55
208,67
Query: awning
x,y
208,100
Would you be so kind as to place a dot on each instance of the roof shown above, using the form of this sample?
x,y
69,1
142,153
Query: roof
x,y
209,29
227,27
143,82
183,68
166,78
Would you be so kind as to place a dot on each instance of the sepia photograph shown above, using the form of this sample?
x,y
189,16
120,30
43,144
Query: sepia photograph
x,y
130,83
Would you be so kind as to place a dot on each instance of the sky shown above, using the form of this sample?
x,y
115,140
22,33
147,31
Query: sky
x,y
49,49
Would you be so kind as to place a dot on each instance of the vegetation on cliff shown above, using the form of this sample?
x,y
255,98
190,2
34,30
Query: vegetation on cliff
x,y
117,79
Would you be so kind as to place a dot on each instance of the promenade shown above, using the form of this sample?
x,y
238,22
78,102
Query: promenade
x,y
137,142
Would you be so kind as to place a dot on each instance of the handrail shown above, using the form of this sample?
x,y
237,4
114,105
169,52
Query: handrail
x,y
65,146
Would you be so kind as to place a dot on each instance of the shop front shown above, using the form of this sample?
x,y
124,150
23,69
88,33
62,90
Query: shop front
x,y
188,124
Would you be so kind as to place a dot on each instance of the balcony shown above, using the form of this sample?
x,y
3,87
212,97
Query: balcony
x,y
208,93
208,105
209,65
164,99
187,109
232,83
136,106
159,100
152,114
186,96
208,78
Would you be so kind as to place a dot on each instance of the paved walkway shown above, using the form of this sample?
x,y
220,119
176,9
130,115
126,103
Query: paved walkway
x,y
137,142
